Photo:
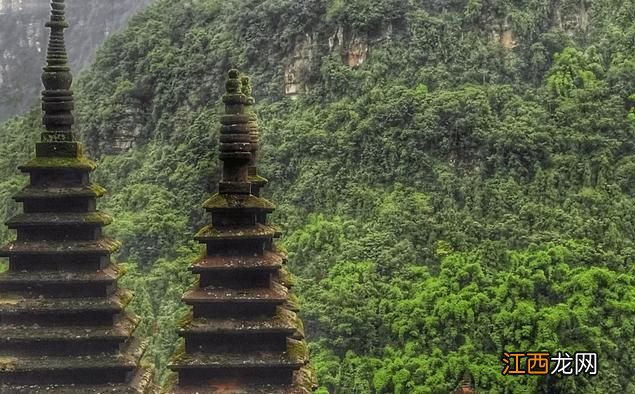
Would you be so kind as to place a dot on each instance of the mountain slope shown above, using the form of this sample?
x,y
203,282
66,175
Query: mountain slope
x,y
455,178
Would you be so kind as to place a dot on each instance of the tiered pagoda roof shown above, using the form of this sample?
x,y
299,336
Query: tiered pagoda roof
x,y
63,325
243,335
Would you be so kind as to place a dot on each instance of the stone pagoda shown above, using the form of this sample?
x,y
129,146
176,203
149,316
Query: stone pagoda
x,y
243,335
63,328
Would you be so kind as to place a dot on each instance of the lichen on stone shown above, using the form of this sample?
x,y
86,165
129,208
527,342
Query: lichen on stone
x,y
236,201
75,163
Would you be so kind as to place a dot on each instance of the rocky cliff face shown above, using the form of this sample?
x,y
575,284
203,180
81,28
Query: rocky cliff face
x,y
23,40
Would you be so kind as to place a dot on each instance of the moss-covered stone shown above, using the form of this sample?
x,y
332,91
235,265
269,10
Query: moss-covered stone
x,y
297,350
8,363
235,296
286,278
121,330
60,219
102,246
237,201
284,321
92,363
59,148
18,303
34,278
267,262
61,326
59,163
37,193
258,180
210,233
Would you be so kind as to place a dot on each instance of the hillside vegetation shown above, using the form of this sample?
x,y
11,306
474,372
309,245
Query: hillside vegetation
x,y
467,189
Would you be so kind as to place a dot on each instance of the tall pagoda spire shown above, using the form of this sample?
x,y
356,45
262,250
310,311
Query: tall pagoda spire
x,y
63,328
57,97
243,335
257,182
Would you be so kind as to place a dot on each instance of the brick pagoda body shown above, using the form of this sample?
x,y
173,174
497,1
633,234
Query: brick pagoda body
x,y
243,335
63,327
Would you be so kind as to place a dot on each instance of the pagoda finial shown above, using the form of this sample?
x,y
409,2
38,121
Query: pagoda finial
x,y
257,182
245,83
246,89
57,97
235,141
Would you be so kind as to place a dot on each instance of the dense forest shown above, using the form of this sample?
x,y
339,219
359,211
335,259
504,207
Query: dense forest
x,y
454,179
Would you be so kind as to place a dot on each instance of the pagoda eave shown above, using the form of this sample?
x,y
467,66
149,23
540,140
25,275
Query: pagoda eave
x,y
126,361
269,261
37,193
108,275
259,181
122,330
211,233
276,295
140,384
284,322
105,246
18,304
303,383
59,219
59,163
245,203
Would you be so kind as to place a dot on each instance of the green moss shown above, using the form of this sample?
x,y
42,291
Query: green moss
x,y
97,189
126,298
97,217
77,163
121,269
104,245
170,382
277,248
59,219
179,353
258,180
7,363
286,278
212,233
234,201
186,320
297,350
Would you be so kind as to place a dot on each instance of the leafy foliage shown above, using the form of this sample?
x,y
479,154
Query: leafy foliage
x,y
466,190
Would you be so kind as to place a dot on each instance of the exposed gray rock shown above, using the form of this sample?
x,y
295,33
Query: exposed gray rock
x,y
23,40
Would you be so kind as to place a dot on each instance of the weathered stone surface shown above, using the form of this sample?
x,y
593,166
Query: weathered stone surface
x,y
285,322
59,163
141,383
268,261
57,193
258,231
14,304
104,246
121,330
63,325
58,219
275,295
26,278
242,202
302,383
